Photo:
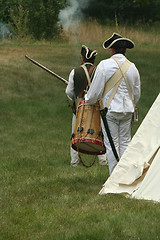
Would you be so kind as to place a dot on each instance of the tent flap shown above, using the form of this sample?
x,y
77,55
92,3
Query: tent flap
x,y
137,161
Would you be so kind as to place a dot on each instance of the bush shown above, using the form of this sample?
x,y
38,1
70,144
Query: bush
x,y
36,18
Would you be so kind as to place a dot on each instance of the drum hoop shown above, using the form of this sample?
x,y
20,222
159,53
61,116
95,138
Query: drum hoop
x,y
88,140
89,153
85,103
86,151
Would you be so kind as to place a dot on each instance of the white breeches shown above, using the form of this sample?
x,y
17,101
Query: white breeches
x,y
120,128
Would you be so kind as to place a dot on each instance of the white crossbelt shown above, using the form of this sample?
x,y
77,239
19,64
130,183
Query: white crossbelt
x,y
116,79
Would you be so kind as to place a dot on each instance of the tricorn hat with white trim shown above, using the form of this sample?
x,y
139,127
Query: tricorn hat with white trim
x,y
87,52
117,41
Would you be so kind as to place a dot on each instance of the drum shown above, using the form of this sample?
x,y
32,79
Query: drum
x,y
87,136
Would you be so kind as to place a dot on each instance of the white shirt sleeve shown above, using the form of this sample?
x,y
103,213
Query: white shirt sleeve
x,y
70,87
137,88
96,89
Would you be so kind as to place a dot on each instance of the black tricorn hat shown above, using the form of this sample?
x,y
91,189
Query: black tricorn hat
x,y
87,52
117,41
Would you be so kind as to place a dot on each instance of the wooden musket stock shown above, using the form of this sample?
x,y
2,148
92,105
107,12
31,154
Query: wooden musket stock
x,y
47,70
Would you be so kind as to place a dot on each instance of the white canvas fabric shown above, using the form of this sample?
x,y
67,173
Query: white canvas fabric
x,y
138,171
149,188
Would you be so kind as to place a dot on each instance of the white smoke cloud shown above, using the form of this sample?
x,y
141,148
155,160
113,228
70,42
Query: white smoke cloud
x,y
4,30
72,15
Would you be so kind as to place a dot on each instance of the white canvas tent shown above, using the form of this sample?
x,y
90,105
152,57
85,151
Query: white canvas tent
x,y
138,172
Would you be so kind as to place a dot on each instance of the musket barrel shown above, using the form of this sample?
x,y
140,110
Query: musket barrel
x,y
46,69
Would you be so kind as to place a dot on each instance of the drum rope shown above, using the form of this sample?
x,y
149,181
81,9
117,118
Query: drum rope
x,y
87,166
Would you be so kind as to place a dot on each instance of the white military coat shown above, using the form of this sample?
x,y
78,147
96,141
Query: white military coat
x,y
121,101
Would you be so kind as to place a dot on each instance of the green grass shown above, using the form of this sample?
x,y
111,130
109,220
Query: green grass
x,y
41,196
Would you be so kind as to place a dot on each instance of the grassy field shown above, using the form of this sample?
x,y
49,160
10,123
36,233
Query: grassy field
x,y
41,196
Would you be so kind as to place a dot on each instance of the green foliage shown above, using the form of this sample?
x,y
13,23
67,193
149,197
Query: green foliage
x,y
5,6
43,17
142,1
127,11
19,20
39,18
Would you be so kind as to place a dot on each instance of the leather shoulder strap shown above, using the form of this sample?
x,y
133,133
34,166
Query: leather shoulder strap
x,y
126,80
115,80
87,74
116,77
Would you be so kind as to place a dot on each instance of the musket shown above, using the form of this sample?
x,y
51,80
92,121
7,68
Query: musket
x,y
47,70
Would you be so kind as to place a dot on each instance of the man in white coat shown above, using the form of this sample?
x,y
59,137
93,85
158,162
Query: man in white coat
x,y
75,91
121,106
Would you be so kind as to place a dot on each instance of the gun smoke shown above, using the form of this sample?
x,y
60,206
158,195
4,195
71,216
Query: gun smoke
x,y
72,15
4,30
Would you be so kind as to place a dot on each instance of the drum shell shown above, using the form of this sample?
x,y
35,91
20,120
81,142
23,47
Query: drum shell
x,y
87,136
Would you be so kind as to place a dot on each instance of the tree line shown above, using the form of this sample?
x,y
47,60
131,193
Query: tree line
x,y
126,11
39,18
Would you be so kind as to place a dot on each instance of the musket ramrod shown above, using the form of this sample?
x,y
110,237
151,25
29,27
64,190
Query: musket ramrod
x,y
47,70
